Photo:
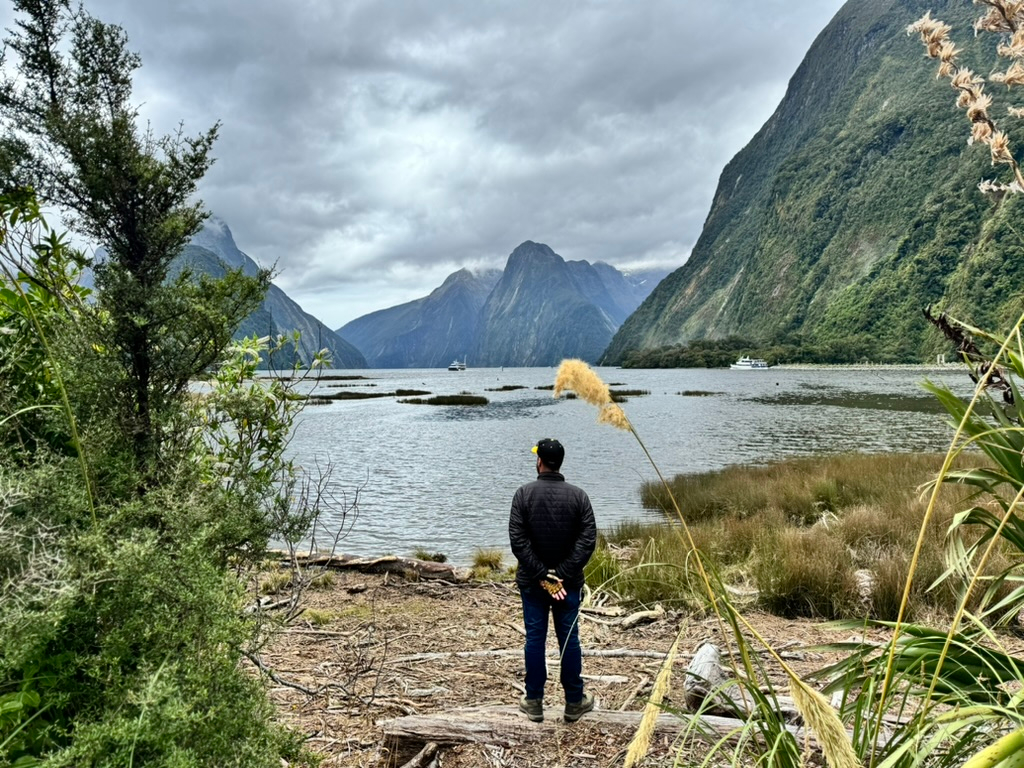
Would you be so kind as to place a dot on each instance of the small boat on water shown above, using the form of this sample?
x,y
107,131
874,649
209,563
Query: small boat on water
x,y
455,365
749,364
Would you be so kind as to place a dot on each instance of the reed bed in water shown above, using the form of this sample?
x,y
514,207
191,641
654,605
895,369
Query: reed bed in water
x,y
826,537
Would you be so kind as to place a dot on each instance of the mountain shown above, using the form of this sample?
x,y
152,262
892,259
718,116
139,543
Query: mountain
x,y
536,311
853,208
428,332
212,250
544,309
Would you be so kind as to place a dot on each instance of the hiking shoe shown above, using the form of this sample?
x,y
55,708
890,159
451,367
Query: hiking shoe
x,y
574,712
534,708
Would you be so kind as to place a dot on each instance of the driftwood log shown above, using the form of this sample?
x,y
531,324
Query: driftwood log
x,y
503,652
505,726
709,687
407,567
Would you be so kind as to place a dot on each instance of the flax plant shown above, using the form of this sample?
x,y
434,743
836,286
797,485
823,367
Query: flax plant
x,y
578,377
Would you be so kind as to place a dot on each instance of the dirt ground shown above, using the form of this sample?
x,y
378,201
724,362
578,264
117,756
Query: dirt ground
x,y
357,672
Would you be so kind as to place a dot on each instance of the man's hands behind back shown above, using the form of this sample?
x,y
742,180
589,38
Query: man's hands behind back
x,y
553,586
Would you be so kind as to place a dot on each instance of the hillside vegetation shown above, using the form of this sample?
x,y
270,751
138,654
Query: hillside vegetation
x,y
852,209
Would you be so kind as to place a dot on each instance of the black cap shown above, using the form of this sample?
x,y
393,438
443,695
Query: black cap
x,y
550,452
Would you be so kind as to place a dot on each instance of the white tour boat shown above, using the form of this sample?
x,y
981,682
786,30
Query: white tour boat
x,y
749,364
455,365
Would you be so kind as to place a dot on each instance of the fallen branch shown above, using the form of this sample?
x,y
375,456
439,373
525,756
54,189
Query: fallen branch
x,y
502,652
644,681
643,617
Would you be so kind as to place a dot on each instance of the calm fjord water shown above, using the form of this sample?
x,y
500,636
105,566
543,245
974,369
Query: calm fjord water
x,y
442,477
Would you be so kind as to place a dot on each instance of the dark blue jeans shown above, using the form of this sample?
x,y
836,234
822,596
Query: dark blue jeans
x,y
537,604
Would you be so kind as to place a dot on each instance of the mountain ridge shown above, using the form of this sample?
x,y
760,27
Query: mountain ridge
x,y
536,311
853,208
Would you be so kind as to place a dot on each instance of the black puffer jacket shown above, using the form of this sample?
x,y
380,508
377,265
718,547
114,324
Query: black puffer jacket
x,y
551,528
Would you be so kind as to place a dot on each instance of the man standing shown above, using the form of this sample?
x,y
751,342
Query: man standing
x,y
552,531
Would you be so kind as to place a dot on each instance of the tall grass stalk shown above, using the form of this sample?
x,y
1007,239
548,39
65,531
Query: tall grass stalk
x,y
577,376
641,742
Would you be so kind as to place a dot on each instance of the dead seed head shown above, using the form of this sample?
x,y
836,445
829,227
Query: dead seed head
x,y
948,52
933,33
1015,111
966,80
1000,146
977,110
981,133
641,743
1003,16
1012,76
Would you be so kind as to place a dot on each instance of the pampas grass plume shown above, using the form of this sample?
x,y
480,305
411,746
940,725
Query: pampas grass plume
x,y
641,742
577,376
822,719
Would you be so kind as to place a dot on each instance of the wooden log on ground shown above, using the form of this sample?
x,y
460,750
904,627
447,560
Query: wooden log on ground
x,y
401,566
503,652
506,727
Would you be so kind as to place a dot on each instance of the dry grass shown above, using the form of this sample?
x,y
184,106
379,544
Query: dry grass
x,y
796,531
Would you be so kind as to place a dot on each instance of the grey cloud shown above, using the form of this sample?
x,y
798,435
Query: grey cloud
x,y
366,147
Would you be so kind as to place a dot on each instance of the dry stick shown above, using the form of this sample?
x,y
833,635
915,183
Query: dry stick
x,y
644,680
424,757
929,512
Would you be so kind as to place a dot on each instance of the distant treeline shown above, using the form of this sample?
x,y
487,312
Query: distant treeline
x,y
794,348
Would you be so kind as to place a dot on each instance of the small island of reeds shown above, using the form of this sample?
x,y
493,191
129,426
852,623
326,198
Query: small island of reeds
x,y
461,399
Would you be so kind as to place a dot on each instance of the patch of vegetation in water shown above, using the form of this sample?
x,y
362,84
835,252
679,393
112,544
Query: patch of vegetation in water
x,y
463,399
873,401
546,387
506,388
411,392
357,395
697,393
317,400
621,395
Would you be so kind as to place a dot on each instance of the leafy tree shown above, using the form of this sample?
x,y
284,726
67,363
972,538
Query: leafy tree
x,y
132,512
71,132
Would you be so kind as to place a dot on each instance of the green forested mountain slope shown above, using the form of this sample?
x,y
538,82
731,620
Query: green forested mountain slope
x,y
855,206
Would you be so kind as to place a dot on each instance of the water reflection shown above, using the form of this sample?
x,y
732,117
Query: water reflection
x,y
442,477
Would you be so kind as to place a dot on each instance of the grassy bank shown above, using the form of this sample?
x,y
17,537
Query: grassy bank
x,y
827,537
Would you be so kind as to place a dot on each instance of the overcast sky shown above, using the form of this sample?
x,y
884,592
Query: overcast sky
x,y
372,148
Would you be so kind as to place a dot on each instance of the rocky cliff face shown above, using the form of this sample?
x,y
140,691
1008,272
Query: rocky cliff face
x,y
544,309
213,248
852,208
537,311
428,332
